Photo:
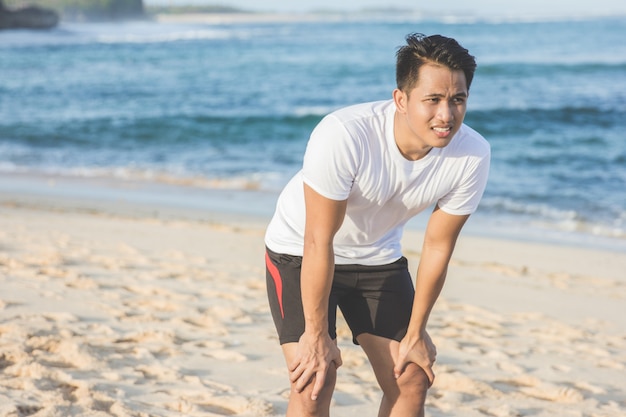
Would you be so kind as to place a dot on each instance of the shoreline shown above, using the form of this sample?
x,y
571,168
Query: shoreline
x,y
135,198
243,205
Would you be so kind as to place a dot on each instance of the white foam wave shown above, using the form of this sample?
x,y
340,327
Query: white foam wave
x,y
141,32
543,216
541,210
303,111
173,36
242,182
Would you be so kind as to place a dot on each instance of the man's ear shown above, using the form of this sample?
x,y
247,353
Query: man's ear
x,y
400,98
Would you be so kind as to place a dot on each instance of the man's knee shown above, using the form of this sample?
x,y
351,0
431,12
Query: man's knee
x,y
306,406
320,407
413,382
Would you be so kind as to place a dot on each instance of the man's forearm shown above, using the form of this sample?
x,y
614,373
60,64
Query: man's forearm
x,y
316,281
323,218
431,276
439,242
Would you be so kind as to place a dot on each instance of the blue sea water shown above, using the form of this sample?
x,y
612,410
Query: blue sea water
x,y
232,105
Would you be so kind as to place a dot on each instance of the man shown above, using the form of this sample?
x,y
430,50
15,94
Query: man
x,y
335,237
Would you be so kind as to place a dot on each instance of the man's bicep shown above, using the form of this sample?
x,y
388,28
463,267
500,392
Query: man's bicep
x,y
444,228
324,216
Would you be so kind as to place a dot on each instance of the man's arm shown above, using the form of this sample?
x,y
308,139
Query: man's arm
x,y
316,351
439,241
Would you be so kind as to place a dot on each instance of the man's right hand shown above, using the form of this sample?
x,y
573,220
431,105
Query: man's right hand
x,y
315,354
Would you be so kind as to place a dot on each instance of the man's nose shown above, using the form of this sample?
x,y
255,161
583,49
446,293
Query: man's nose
x,y
444,111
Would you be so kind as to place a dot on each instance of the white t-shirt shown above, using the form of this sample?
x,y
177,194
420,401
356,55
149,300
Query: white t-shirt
x,y
352,154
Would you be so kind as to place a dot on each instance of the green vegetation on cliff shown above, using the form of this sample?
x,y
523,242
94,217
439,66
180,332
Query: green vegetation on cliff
x,y
97,10
27,17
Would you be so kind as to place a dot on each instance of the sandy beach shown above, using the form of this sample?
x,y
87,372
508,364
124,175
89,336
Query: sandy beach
x,y
113,310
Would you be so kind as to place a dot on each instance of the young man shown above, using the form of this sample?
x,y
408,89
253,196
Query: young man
x,y
335,237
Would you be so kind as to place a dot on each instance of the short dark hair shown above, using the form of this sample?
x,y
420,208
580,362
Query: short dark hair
x,y
421,49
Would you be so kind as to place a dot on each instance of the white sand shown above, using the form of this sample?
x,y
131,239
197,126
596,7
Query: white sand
x,y
132,315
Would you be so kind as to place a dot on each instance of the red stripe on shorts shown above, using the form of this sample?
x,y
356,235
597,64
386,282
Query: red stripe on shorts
x,y
278,281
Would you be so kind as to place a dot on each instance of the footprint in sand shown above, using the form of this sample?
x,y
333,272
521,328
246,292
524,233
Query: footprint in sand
x,y
158,372
505,269
593,389
510,367
26,410
4,304
610,364
238,405
60,353
219,403
524,380
226,355
446,401
561,368
458,382
81,283
534,387
163,337
502,410
229,313
148,304
554,393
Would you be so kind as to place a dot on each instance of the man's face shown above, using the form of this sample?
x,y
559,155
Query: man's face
x,y
433,111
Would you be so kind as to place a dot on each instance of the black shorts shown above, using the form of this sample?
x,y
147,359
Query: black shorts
x,y
373,299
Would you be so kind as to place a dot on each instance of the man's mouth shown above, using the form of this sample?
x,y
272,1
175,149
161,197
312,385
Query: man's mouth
x,y
442,132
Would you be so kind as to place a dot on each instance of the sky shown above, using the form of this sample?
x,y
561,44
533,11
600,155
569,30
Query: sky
x,y
455,7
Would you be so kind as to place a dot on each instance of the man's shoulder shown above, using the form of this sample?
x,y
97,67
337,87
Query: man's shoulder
x,y
470,140
361,111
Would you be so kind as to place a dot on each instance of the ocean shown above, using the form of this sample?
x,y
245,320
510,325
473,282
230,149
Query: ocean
x,y
231,106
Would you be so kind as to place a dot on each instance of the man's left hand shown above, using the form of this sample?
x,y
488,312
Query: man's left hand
x,y
418,350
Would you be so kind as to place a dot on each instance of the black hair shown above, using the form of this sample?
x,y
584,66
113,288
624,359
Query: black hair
x,y
421,49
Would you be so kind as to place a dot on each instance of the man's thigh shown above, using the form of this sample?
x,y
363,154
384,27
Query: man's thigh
x,y
377,300
285,297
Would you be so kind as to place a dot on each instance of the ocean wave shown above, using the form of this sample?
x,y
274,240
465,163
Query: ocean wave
x,y
101,132
529,120
250,182
140,32
316,112
500,204
552,218
171,36
498,19
577,66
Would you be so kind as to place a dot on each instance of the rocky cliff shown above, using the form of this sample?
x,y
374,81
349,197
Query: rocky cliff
x,y
38,17
102,10
29,17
